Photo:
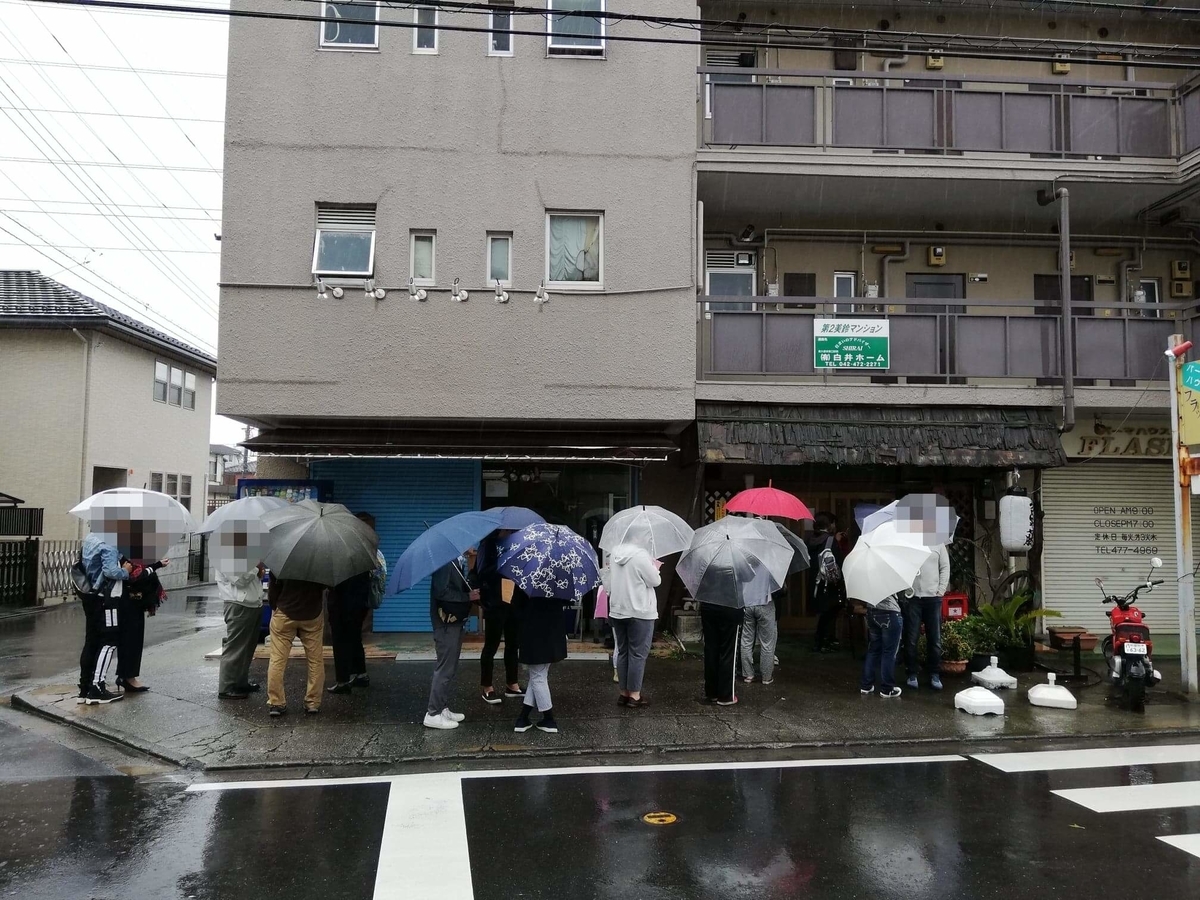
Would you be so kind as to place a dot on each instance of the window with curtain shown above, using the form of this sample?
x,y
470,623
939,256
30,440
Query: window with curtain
x,y
421,258
573,248
500,259
355,26
575,35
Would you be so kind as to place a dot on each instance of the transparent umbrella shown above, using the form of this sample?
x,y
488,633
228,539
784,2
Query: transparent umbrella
x,y
735,562
142,524
658,531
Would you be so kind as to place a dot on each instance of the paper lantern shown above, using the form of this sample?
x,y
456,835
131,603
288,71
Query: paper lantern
x,y
1016,521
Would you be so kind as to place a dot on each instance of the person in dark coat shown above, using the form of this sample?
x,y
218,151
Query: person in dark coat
x,y
826,589
543,643
141,598
348,605
500,622
722,628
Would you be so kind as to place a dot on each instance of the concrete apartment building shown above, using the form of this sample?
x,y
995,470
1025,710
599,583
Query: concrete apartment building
x,y
92,399
695,214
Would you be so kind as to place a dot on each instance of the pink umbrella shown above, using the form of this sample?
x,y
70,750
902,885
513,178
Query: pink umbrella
x,y
769,501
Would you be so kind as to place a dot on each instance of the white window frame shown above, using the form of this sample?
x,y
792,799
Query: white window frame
x,y
178,493
183,397
576,50
585,287
1151,309
346,48
412,257
842,276
331,274
166,383
487,262
418,28
492,29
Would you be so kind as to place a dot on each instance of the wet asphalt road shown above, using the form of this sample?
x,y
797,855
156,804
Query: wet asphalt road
x,y
906,830
45,644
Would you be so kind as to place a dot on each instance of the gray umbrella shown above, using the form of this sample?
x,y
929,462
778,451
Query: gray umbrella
x,y
735,562
321,542
800,560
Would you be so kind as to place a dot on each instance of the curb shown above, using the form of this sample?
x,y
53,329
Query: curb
x,y
193,764
110,735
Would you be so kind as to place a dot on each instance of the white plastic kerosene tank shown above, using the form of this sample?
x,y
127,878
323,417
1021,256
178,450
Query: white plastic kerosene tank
x,y
1052,695
979,701
994,677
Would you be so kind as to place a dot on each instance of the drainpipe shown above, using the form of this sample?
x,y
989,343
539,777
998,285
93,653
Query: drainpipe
x,y
83,441
1124,267
1045,198
885,263
894,61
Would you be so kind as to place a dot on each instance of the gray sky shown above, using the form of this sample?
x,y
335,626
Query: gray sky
x,y
129,107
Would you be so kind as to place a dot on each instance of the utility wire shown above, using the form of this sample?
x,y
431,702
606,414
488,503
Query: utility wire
x,y
117,115
125,70
101,164
1165,56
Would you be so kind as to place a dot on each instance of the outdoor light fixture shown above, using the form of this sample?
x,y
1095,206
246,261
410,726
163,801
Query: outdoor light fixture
x,y
501,293
747,235
415,292
458,295
373,293
541,298
323,291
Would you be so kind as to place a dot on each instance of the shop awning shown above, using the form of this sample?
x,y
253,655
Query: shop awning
x,y
977,437
392,441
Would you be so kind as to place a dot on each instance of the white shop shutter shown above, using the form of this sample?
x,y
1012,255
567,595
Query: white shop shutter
x,y
1128,500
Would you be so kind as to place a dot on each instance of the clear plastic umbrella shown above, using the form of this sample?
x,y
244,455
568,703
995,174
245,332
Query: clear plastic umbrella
x,y
930,515
658,531
884,562
142,524
321,542
735,562
239,537
240,511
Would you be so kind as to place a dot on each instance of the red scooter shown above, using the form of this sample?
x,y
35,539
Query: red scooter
x,y
1127,649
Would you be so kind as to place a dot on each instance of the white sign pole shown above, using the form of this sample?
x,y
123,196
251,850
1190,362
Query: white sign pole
x,y
1183,528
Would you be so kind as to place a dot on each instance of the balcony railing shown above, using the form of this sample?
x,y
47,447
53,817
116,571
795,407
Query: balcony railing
x,y
743,338
952,115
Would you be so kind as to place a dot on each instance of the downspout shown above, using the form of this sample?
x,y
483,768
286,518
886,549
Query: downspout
x,y
895,61
1045,198
885,263
83,441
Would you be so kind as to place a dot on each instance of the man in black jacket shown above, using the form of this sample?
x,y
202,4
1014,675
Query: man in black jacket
x,y
451,594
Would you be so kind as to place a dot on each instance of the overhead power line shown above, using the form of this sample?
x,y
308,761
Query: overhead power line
x,y
127,70
101,164
117,115
955,46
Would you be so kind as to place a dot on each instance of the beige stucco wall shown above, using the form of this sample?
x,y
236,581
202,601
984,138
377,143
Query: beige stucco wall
x,y
465,144
41,428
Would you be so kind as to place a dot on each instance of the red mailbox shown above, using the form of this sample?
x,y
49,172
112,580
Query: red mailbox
x,y
954,606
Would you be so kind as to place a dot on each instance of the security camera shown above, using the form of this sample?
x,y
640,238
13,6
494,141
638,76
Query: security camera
x,y
414,292
458,295
501,293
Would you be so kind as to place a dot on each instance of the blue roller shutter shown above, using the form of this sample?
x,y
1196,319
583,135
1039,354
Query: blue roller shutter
x,y
403,495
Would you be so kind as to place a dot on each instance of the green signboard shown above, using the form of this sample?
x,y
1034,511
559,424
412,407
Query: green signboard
x,y
1191,376
851,344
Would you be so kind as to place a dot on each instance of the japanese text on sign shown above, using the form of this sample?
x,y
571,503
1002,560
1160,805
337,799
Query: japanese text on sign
x,y
1125,530
851,344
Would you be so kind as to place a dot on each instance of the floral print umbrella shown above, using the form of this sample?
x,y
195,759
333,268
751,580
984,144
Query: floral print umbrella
x,y
550,561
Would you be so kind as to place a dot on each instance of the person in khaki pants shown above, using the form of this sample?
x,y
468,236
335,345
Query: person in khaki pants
x,y
296,610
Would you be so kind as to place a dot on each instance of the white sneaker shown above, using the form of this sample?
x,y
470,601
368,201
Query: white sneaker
x,y
439,721
452,716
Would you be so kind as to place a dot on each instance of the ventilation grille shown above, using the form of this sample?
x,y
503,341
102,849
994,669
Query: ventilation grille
x,y
345,216
720,259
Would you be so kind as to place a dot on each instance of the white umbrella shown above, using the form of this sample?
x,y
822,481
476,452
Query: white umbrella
x,y
883,562
929,515
142,524
879,517
242,510
735,562
321,542
659,531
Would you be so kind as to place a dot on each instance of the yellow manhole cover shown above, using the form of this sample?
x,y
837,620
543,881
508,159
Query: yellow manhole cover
x,y
659,818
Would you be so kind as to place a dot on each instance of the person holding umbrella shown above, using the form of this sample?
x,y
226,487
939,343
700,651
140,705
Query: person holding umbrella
x,y
550,566
451,594
500,623
827,592
348,606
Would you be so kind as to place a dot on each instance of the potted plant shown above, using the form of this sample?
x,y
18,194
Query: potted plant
x,y
956,647
1013,626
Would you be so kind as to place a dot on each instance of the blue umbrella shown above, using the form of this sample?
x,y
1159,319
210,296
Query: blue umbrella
x,y
440,544
550,561
514,518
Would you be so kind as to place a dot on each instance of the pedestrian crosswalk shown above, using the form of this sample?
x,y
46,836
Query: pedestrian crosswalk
x,y
1170,794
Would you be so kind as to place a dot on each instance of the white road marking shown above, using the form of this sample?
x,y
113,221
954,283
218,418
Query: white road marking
x,y
1188,843
1134,797
1064,760
581,770
423,854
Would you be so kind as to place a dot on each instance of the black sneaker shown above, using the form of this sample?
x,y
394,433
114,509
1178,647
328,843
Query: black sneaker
x,y
509,692
523,723
98,694
340,688
276,711
548,724
250,687
82,696
234,694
